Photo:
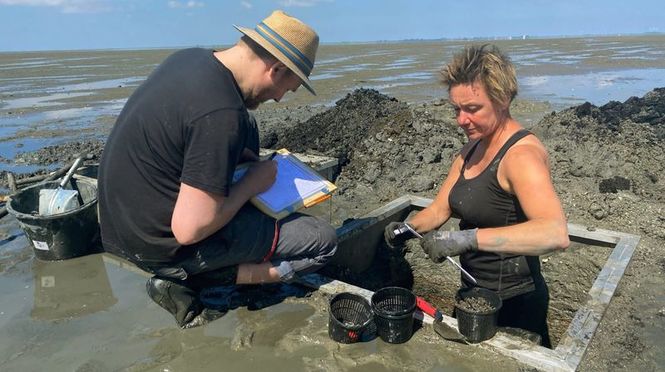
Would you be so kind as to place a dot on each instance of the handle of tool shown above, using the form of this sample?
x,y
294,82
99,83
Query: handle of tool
x,y
428,308
466,273
71,171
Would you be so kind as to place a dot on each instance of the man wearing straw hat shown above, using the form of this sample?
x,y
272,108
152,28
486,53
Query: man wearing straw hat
x,y
166,198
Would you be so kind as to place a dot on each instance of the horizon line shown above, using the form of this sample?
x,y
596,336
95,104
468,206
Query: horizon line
x,y
383,41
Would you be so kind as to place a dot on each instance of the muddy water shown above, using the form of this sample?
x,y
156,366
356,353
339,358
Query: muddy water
x,y
90,315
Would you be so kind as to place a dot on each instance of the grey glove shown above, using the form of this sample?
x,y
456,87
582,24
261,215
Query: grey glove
x,y
396,233
439,244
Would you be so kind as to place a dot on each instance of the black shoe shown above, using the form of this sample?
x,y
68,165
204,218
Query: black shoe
x,y
182,302
206,316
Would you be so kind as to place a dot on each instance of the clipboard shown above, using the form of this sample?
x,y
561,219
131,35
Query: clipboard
x,y
297,186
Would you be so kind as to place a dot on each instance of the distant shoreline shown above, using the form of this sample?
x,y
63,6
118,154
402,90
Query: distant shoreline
x,y
334,43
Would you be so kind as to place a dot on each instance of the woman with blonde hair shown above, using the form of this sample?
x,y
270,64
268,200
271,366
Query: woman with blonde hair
x,y
500,188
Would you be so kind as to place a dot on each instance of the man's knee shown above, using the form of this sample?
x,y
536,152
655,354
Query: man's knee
x,y
307,237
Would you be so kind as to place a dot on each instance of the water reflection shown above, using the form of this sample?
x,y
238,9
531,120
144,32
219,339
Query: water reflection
x,y
70,288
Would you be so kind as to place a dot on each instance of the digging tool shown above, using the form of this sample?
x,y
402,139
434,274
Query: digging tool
x,y
54,201
466,273
440,327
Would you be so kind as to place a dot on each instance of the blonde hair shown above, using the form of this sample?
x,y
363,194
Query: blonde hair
x,y
485,64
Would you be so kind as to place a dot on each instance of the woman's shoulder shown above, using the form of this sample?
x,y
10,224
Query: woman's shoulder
x,y
528,150
529,143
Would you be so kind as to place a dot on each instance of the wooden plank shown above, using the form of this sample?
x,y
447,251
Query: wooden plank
x,y
332,286
419,201
583,326
11,182
592,236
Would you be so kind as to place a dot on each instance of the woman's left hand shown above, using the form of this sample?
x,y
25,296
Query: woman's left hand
x,y
439,244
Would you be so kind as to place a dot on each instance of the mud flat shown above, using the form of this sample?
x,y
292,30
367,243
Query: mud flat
x,y
607,166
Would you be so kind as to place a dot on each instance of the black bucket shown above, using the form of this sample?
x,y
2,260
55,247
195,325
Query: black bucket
x,y
393,309
58,236
350,318
481,325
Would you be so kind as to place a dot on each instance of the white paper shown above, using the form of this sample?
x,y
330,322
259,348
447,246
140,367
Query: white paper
x,y
293,183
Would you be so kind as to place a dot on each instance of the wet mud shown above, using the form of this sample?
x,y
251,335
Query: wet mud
x,y
607,165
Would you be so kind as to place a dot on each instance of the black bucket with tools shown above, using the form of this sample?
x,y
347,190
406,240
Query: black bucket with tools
x,y
66,234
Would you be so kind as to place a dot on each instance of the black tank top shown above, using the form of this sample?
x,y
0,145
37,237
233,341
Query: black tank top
x,y
480,202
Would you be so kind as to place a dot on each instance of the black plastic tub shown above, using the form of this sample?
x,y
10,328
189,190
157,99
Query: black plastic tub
x,y
350,318
58,236
478,326
393,314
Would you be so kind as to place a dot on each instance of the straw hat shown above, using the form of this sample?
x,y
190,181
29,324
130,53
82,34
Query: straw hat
x,y
288,39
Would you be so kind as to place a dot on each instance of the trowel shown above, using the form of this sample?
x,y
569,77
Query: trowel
x,y
442,328
55,201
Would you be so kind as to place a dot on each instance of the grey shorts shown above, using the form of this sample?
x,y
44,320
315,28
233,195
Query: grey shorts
x,y
297,244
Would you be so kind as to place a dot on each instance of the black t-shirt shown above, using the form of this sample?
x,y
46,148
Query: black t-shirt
x,y
186,123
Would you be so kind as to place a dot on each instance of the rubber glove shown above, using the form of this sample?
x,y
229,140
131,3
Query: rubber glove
x,y
396,233
439,244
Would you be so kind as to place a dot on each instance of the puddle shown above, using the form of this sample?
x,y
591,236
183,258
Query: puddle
x,y
49,100
598,88
408,76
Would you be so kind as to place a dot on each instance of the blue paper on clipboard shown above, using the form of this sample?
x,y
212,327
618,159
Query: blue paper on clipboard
x,y
297,185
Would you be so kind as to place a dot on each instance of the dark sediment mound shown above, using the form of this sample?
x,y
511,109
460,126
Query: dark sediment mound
x,y
408,155
386,148
608,160
336,131
649,109
62,153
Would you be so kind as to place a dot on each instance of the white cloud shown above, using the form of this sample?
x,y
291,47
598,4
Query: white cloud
x,y
65,6
246,4
186,4
302,3
32,2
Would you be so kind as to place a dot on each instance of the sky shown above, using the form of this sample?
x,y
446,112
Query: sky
x,y
27,25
